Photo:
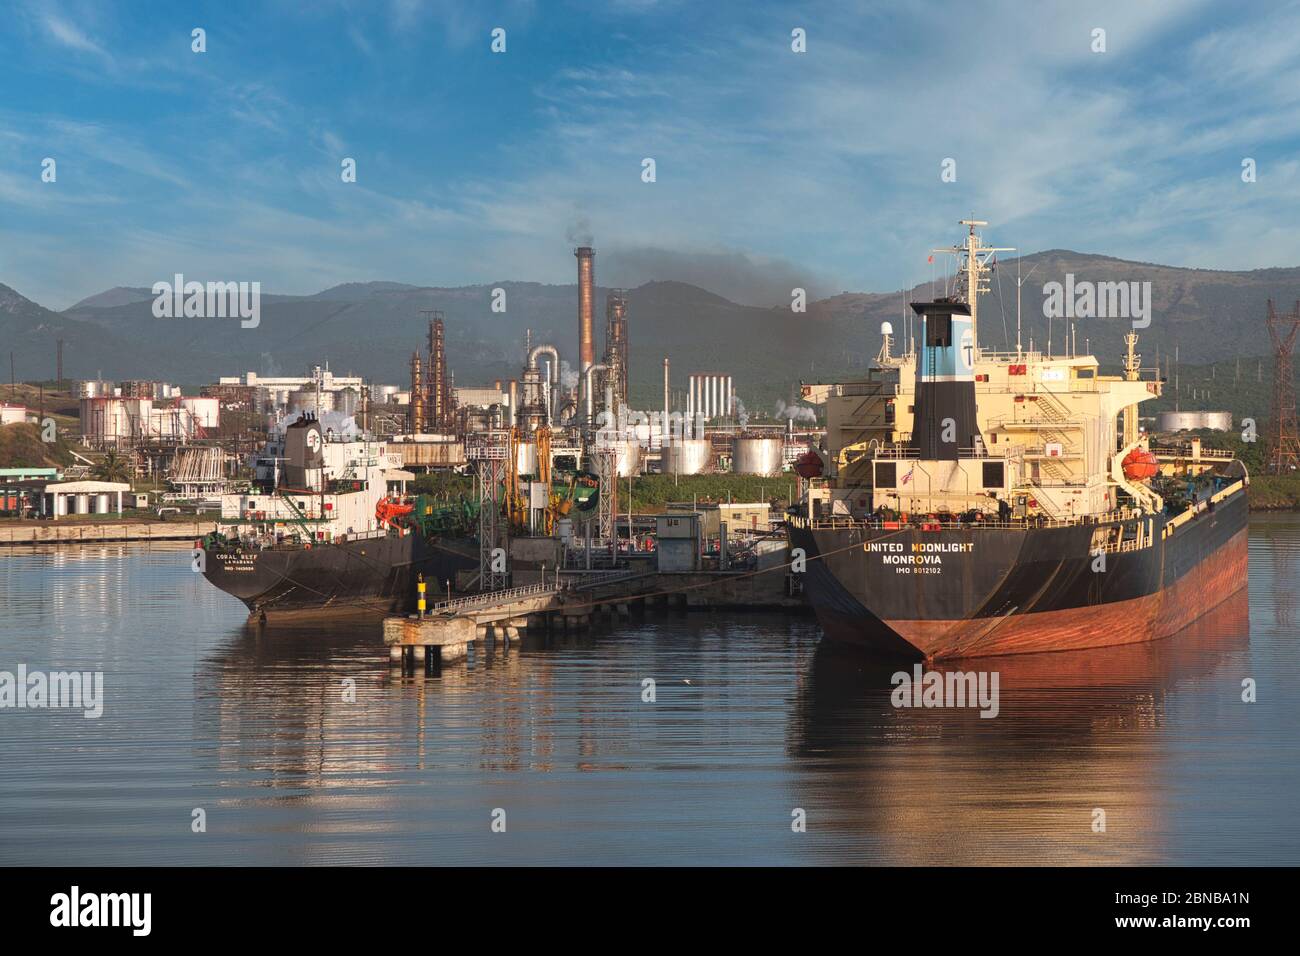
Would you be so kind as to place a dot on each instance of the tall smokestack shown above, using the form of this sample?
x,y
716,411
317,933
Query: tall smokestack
x,y
416,408
667,401
586,306
436,393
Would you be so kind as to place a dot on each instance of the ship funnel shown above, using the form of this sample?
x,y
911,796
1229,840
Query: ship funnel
x,y
945,421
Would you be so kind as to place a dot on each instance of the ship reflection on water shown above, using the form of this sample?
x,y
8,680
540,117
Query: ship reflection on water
x,y
1075,732
303,746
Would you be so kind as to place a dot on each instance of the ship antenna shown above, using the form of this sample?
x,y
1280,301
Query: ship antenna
x,y
975,268
1020,282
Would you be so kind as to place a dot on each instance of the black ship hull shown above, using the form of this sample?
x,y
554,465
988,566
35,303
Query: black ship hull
x,y
378,573
969,592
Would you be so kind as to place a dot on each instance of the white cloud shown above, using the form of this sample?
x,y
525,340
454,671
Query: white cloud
x,y
824,164
70,36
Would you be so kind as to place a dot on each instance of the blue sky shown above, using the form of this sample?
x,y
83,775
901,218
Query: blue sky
x,y
773,168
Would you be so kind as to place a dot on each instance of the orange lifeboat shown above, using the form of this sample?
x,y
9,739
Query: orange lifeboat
x,y
1140,465
808,465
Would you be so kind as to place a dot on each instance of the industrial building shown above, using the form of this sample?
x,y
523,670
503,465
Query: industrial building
x,y
548,447
48,497
740,518
282,387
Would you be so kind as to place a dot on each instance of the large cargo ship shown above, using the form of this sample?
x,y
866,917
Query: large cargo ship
x,y
979,503
322,529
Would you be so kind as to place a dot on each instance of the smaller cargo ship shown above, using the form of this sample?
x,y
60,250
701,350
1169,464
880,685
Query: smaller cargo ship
x,y
321,528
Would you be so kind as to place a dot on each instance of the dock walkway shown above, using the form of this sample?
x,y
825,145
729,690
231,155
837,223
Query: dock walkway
x,y
446,632
450,627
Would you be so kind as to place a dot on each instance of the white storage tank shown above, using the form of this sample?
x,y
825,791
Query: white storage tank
x,y
100,417
629,458
206,412
690,457
306,400
137,418
96,389
758,456
526,458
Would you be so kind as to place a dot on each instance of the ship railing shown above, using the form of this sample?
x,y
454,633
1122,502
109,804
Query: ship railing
x,y
1036,357
494,597
1185,451
597,578
905,453
366,535
896,452
916,522
1203,506
865,389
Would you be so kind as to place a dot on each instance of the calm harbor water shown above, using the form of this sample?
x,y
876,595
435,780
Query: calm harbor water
x,y
753,718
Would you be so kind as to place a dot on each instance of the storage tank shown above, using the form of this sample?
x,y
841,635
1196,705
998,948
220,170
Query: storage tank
x,y
758,456
526,458
206,412
136,418
1181,421
304,400
100,416
690,457
346,401
170,423
629,458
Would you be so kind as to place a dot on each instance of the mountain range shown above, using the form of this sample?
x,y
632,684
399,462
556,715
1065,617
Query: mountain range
x,y
371,328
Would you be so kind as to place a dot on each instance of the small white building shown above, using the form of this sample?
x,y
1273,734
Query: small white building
x,y
58,499
12,414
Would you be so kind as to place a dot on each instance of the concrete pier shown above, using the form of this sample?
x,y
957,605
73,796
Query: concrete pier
x,y
65,532
450,631
447,637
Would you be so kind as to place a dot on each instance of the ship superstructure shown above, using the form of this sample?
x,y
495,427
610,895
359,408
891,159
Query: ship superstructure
x,y
313,485
327,524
